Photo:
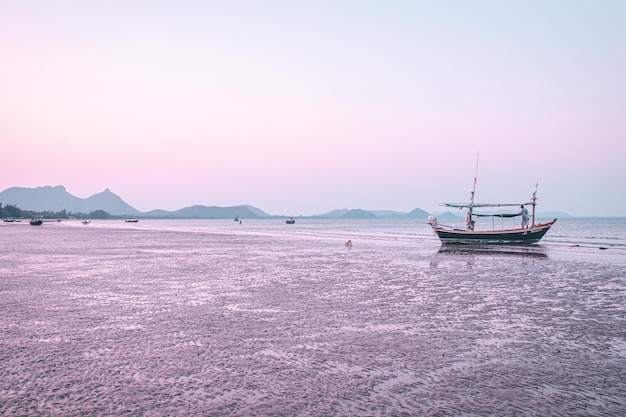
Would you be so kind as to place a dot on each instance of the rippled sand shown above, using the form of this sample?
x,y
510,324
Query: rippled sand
x,y
148,322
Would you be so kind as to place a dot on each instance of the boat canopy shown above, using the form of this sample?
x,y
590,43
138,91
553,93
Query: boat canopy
x,y
497,215
473,205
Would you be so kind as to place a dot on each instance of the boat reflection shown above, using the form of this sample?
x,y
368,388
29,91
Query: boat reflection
x,y
537,251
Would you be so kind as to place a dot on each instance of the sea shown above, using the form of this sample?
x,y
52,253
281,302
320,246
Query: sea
x,y
264,318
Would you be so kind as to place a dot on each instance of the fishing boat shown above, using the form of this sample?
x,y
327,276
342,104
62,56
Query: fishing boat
x,y
36,221
532,234
290,220
85,221
526,234
131,220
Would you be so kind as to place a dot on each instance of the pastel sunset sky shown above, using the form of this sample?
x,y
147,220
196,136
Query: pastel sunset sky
x,y
303,107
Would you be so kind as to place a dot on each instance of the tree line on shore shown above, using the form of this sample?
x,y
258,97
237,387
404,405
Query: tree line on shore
x,y
11,211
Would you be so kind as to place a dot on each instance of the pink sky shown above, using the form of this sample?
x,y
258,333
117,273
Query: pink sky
x,y
304,108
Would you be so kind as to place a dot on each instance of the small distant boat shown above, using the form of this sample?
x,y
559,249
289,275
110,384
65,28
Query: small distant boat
x,y
36,221
8,219
236,219
290,220
526,234
131,220
85,221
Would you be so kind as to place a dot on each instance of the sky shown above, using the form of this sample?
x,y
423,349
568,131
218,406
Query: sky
x,y
300,108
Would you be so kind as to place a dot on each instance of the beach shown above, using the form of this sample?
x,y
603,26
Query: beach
x,y
254,319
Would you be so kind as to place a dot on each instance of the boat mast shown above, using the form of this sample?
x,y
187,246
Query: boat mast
x,y
534,201
471,207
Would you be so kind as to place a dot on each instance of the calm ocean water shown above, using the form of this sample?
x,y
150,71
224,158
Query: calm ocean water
x,y
213,317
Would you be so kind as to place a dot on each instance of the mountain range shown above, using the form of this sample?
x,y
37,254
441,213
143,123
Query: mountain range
x,y
57,198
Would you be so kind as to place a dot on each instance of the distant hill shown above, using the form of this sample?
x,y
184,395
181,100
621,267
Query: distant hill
x,y
388,214
367,214
157,214
57,198
214,212
450,215
335,214
358,214
416,214
204,212
373,214
256,211
109,202
347,214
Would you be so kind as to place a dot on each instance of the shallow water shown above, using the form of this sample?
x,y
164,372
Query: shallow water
x,y
263,318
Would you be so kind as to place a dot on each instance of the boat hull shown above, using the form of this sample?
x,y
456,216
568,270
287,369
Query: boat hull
x,y
501,237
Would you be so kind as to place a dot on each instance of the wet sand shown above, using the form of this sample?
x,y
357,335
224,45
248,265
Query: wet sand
x,y
152,323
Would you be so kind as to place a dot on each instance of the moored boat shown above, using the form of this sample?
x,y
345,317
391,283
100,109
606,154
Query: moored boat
x,y
290,220
532,234
36,221
131,220
526,234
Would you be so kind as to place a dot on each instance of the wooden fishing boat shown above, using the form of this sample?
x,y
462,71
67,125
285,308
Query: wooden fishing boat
x,y
131,220
526,234
290,220
36,221
532,234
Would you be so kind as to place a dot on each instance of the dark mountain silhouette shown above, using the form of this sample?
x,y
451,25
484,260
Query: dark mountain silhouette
x,y
57,198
